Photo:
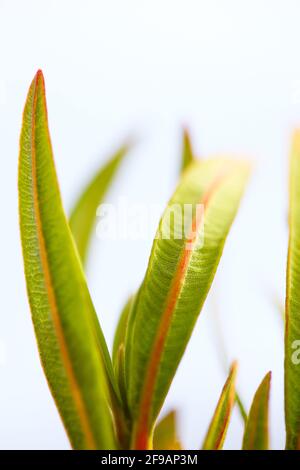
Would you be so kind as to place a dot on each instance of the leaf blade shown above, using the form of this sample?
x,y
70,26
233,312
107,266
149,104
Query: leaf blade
x,y
121,328
292,317
165,433
187,155
83,214
256,436
166,307
216,433
57,288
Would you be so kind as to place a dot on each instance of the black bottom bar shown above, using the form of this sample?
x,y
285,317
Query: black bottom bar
x,y
134,459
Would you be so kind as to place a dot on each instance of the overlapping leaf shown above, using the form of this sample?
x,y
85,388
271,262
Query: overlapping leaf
x,y
223,356
165,433
83,215
256,436
241,407
217,430
71,345
187,151
292,314
118,353
121,329
181,268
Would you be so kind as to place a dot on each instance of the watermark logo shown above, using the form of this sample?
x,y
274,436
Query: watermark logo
x,y
127,221
296,354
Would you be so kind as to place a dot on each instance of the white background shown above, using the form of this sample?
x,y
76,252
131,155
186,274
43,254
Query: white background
x,y
228,70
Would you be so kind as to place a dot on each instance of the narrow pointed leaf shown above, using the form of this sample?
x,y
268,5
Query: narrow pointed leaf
x,y
83,215
256,436
223,356
182,265
187,151
71,345
165,433
121,329
120,375
216,434
292,314
241,407
119,352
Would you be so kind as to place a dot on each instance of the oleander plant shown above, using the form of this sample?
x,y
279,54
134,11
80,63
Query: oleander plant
x,y
112,400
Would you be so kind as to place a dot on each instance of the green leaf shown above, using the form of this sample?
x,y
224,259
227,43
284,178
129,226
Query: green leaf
x,y
119,355
83,215
180,272
256,436
292,313
187,151
71,344
121,329
241,407
165,433
223,355
216,433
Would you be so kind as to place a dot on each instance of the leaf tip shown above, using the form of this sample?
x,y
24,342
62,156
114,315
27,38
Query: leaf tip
x,y
186,132
296,135
39,73
234,367
268,377
39,80
296,143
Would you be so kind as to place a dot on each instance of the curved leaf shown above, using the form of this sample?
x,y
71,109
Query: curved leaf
x,y
241,407
181,268
292,314
121,329
83,215
119,356
165,433
71,345
216,433
187,151
223,356
256,436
